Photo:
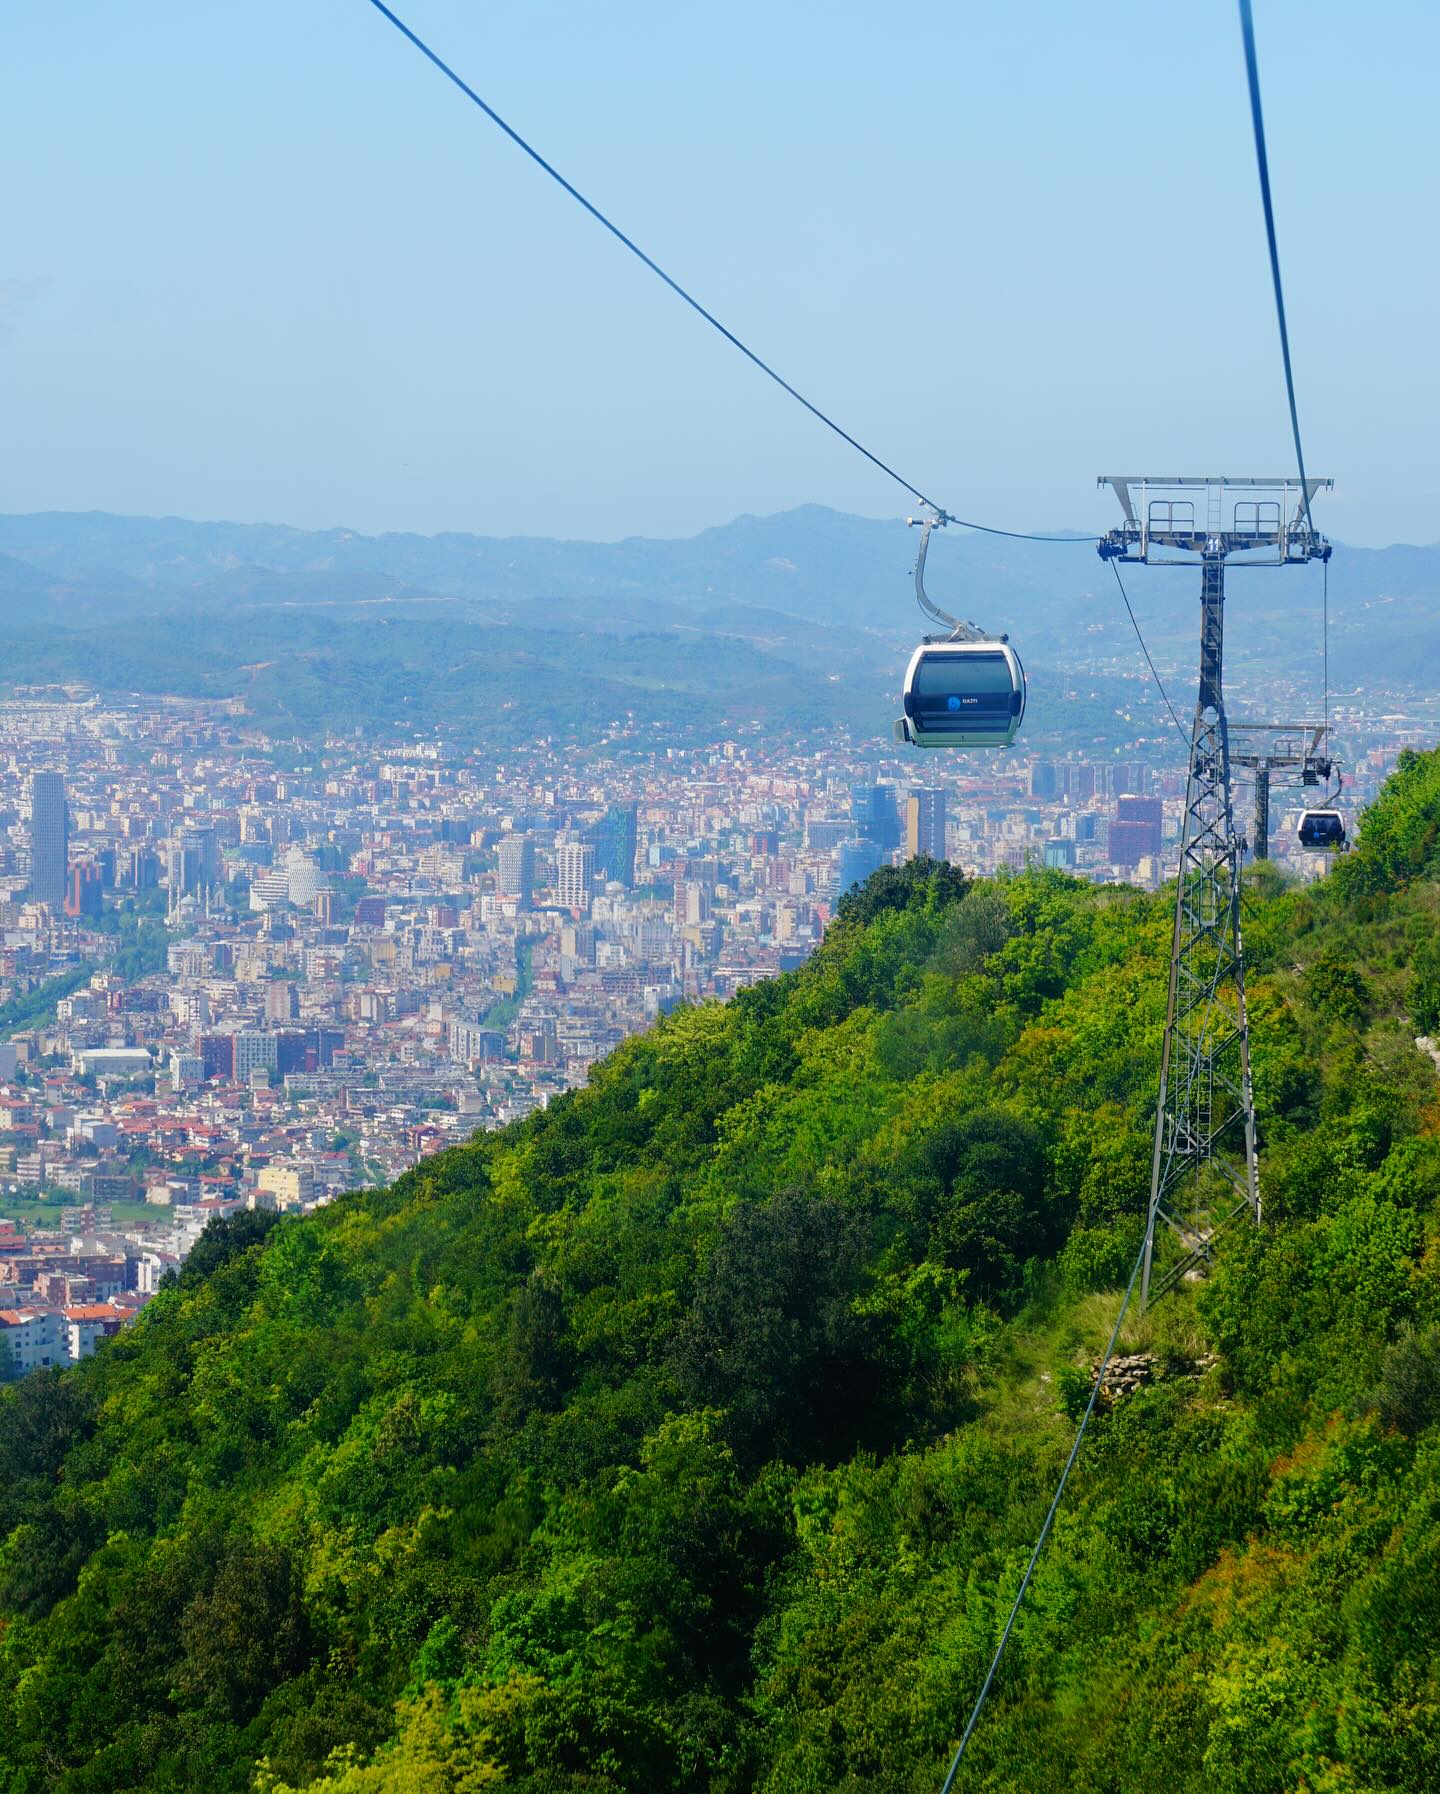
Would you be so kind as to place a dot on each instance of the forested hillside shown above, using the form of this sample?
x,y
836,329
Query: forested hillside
x,y
692,1435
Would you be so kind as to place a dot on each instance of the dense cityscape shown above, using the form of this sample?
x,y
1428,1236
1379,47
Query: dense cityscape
x,y
242,973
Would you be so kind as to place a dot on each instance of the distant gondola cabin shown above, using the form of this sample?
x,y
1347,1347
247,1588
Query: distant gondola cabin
x,y
1322,831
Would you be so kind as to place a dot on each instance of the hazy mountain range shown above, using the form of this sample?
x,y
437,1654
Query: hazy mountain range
x,y
803,615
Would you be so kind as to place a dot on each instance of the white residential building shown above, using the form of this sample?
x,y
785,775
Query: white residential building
x,y
575,875
35,1337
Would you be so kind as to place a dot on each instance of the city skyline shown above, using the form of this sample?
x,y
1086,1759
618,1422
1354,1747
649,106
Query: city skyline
x,y
472,931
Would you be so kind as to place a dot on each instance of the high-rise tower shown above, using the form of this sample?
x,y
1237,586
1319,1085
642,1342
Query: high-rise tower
x,y
615,837
925,824
516,875
49,838
575,875
872,808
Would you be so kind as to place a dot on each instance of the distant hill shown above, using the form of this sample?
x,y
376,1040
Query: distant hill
x,y
299,672
827,594
813,563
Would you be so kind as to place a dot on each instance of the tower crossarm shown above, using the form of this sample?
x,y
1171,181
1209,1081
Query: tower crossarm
x,y
1176,519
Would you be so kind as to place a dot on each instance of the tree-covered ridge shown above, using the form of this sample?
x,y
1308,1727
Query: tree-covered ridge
x,y
692,1434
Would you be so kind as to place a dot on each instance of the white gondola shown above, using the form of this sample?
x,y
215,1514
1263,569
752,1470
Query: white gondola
x,y
965,689
1322,831
962,694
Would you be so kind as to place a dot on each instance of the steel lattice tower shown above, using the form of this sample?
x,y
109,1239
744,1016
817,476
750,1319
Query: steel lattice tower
x,y
1203,1172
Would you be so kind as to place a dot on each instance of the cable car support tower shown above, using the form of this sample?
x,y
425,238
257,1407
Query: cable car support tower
x,y
1280,747
1203,1168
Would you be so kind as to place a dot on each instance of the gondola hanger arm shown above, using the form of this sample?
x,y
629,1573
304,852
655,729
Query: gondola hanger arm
x,y
960,631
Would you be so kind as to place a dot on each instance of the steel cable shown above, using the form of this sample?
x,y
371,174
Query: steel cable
x,y
1262,162
1134,624
1025,1580
690,299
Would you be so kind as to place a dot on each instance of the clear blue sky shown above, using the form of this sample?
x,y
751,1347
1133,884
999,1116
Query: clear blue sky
x,y
260,262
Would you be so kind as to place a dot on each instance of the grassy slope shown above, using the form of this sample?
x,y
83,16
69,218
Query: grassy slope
x,y
692,1435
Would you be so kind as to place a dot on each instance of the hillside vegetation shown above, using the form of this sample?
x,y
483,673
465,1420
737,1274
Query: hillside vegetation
x,y
692,1435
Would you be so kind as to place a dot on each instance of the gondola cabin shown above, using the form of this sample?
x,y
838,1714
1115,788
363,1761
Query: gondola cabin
x,y
1322,831
962,694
